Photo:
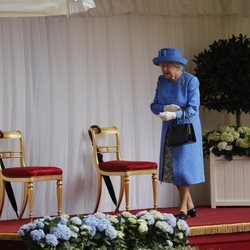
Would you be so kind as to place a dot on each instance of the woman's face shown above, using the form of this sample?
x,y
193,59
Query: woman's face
x,y
171,70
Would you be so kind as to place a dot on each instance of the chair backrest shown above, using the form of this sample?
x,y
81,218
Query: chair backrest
x,y
105,141
12,146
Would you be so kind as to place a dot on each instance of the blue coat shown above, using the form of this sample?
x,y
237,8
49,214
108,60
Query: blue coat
x,y
187,159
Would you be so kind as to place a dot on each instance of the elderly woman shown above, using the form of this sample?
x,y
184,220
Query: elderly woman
x,y
177,98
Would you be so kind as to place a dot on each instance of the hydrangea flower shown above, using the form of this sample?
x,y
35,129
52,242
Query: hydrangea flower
x,y
215,136
227,137
170,219
222,145
104,231
182,225
157,215
227,141
164,227
244,130
113,219
127,215
76,220
39,223
37,234
103,224
143,228
132,220
61,232
243,143
110,232
148,218
51,240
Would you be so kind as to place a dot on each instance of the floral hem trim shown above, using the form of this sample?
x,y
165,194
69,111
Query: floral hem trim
x,y
167,169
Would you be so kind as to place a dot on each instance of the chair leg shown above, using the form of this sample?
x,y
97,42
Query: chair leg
x,y
59,197
120,195
30,197
2,196
126,186
155,190
99,192
25,200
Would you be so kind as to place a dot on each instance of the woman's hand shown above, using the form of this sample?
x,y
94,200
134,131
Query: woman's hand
x,y
167,116
172,108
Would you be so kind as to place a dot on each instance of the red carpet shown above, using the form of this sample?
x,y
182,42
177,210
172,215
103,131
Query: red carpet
x,y
223,228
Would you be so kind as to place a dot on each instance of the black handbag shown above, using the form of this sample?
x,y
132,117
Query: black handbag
x,y
178,134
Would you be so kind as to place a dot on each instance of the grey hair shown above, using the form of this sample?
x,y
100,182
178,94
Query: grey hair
x,y
181,66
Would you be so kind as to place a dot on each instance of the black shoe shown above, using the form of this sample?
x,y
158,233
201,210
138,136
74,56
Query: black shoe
x,y
191,212
181,215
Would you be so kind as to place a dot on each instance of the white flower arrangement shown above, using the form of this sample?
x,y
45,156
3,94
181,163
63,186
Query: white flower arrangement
x,y
145,230
227,141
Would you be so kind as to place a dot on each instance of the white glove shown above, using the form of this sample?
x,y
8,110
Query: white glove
x,y
167,116
172,108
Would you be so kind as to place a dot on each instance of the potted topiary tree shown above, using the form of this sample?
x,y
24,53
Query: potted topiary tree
x,y
224,74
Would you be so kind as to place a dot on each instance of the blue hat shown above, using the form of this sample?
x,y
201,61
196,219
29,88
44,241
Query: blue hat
x,y
169,55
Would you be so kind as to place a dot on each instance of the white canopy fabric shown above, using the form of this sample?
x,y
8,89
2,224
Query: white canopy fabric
x,y
29,8
24,8
166,7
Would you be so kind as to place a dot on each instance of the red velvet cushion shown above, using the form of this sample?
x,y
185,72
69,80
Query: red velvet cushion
x,y
19,172
127,165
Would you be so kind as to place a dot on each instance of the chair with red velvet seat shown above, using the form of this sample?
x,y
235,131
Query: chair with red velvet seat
x,y
116,166
26,174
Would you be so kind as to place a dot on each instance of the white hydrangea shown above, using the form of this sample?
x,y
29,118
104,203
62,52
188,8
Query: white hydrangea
x,y
229,147
222,145
126,214
157,215
236,134
243,143
244,130
215,136
143,228
226,129
227,137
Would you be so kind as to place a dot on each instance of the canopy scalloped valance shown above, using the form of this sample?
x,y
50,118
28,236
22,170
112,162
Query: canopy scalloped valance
x,y
24,8
15,8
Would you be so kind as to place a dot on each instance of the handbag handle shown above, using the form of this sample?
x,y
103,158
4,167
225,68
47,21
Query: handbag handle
x,y
184,115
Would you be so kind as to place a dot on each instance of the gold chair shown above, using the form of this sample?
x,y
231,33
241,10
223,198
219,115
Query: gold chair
x,y
26,174
117,167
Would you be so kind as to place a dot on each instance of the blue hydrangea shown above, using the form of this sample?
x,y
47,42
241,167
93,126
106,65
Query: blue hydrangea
x,y
28,227
47,217
103,224
51,240
111,232
37,235
91,221
141,213
21,233
39,224
170,219
63,221
76,221
164,227
61,232
92,231
148,218
100,215
182,225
